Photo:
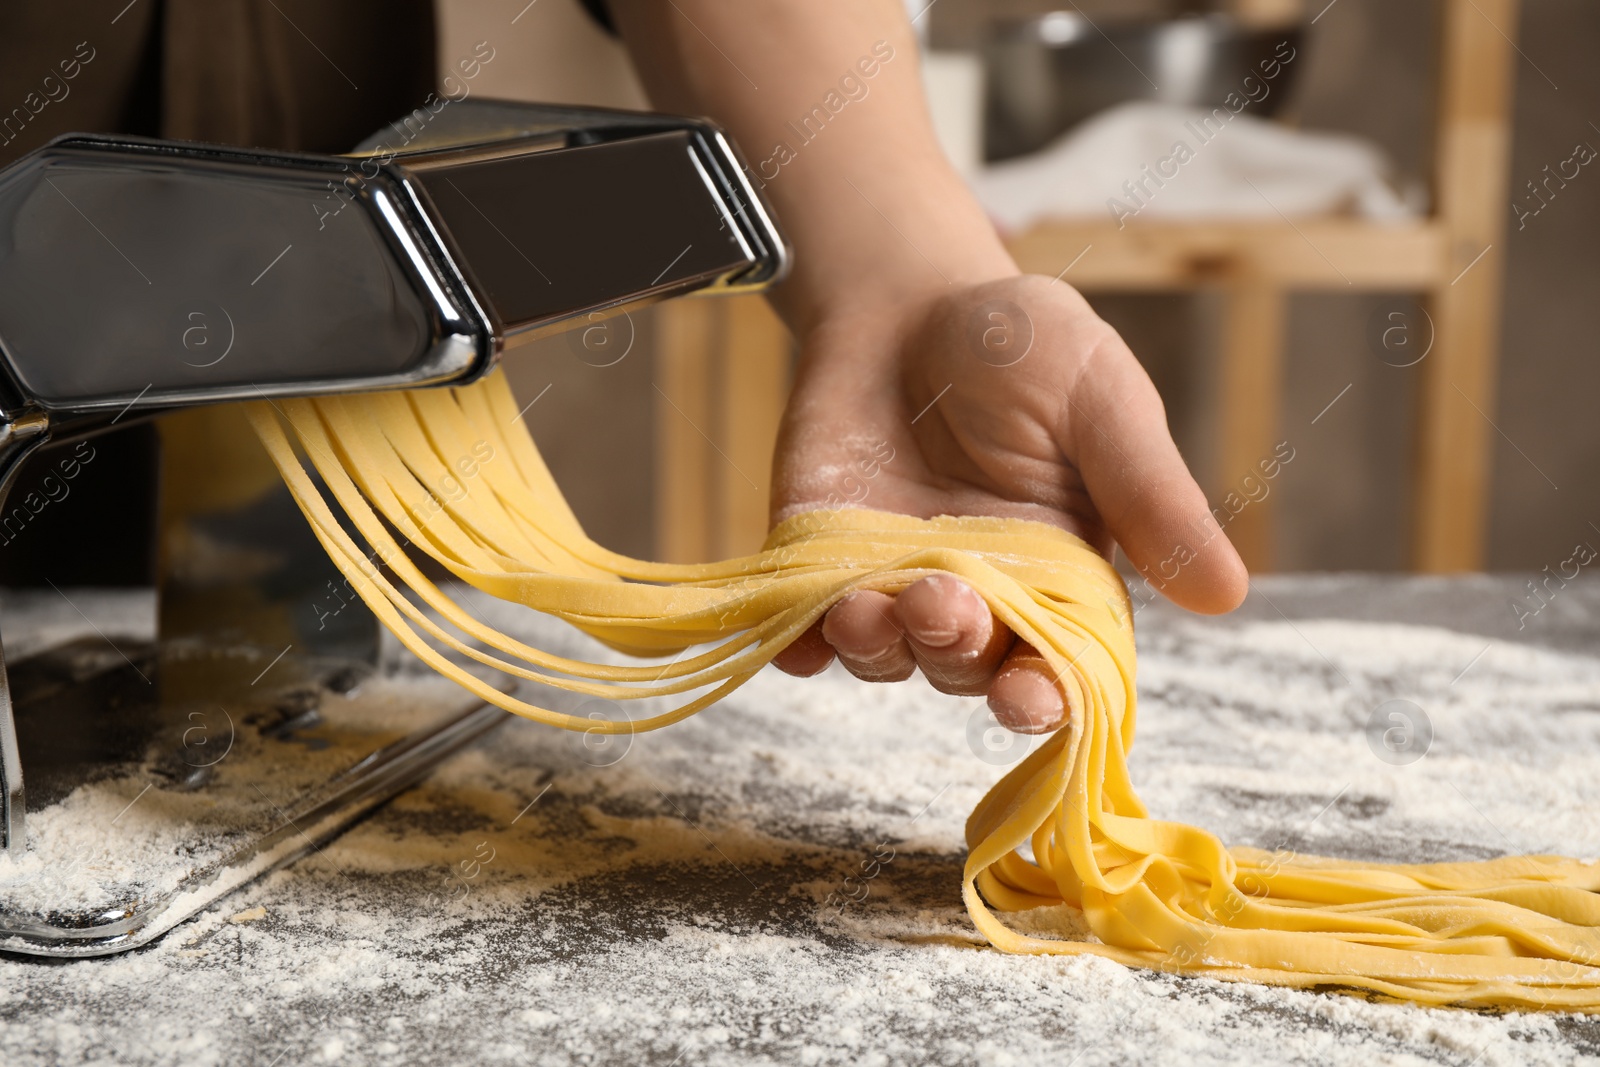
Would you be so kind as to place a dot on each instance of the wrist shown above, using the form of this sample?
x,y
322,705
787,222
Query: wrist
x,y
883,240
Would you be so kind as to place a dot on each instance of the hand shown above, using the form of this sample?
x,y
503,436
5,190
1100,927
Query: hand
x,y
1005,398
893,263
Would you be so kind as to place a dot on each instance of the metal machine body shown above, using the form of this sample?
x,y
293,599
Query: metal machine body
x,y
139,278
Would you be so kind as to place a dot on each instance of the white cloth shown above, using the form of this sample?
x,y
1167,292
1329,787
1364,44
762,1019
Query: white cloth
x,y
1166,161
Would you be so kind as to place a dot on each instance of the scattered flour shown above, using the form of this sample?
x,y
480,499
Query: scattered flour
x,y
537,901
128,842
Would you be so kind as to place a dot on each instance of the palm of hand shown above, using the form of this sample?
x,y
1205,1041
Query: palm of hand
x,y
1010,399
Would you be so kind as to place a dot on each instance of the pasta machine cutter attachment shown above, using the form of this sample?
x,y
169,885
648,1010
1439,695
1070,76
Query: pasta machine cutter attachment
x,y
143,278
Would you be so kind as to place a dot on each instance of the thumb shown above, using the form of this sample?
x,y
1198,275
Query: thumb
x,y
1117,435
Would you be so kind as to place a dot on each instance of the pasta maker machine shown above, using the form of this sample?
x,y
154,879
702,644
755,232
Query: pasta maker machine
x,y
141,780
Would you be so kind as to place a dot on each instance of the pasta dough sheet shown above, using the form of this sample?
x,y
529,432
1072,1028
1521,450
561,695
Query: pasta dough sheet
x,y
455,473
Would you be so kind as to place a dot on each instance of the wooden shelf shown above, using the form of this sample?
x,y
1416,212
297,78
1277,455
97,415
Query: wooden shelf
x,y
1314,253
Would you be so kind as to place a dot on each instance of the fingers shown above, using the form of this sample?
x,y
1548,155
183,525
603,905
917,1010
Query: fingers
x,y
1143,490
1024,695
809,654
863,630
943,626
952,634
939,624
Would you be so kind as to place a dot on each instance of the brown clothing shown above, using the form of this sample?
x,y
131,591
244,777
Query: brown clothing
x,y
306,75
309,75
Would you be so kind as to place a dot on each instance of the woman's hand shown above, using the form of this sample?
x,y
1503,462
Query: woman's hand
x,y
1006,398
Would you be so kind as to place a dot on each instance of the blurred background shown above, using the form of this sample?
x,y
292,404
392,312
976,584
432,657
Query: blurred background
x,y
1382,259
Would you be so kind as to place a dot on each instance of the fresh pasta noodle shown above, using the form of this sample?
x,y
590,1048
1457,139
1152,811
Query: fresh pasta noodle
x,y
455,473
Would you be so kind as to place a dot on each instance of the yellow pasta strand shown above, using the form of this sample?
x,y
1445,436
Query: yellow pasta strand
x,y
454,473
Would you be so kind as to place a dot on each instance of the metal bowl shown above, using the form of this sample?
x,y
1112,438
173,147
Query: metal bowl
x,y
1046,74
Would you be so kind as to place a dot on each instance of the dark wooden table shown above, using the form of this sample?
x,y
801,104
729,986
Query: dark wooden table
x,y
546,900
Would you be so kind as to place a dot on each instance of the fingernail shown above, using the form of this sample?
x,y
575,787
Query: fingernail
x,y
874,657
937,635
1028,702
945,631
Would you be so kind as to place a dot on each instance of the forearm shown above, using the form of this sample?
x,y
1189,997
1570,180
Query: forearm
x,y
848,158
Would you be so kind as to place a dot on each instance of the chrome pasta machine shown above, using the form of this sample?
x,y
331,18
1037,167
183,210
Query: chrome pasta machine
x,y
141,778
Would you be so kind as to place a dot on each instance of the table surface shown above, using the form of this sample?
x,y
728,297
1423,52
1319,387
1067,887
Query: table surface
x,y
544,900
